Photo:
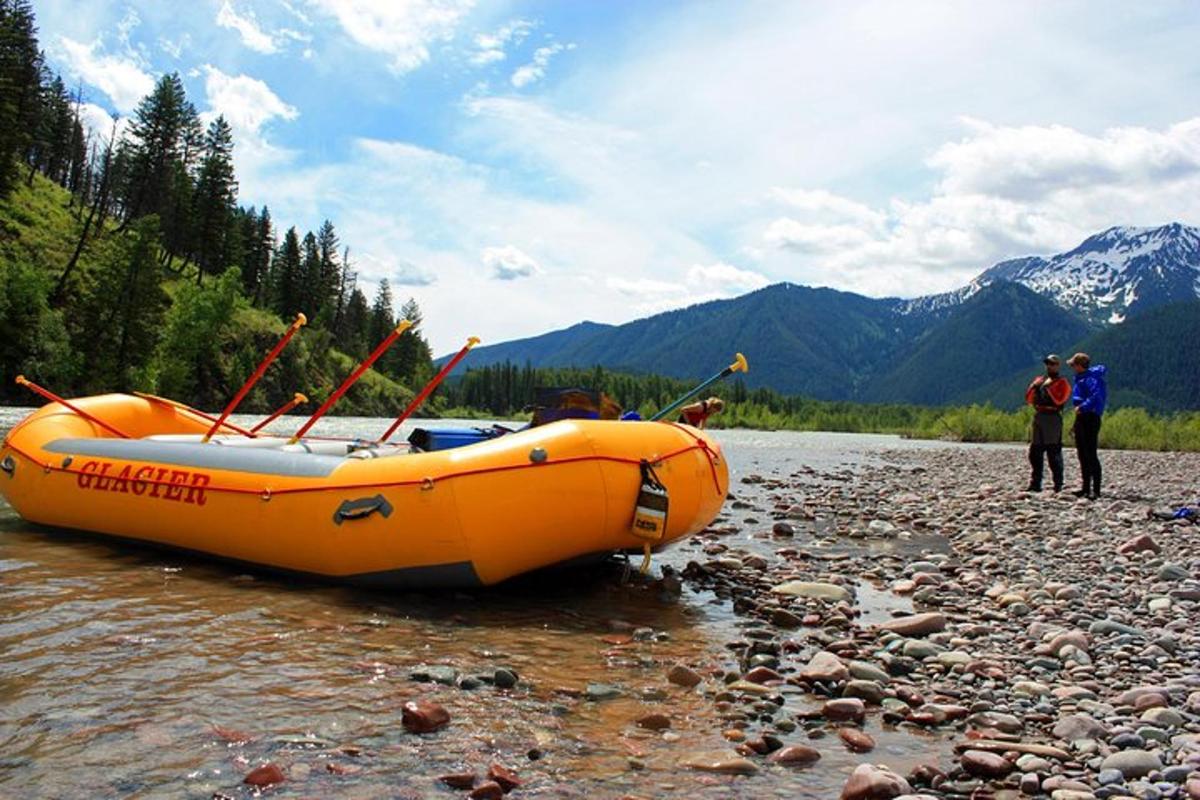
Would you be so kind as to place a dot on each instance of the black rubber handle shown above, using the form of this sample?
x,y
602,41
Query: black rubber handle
x,y
362,508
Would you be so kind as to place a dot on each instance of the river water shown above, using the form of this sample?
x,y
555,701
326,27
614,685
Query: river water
x,y
128,672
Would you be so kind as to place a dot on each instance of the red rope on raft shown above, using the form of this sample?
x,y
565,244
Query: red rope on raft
x,y
267,491
52,397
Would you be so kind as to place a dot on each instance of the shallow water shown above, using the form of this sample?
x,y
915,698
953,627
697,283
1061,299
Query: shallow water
x,y
128,672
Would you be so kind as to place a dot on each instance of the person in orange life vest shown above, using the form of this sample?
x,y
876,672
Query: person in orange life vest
x,y
697,414
1048,394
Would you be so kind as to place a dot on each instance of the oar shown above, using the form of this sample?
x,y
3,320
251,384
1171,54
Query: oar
x,y
404,325
429,387
297,399
258,373
739,365
53,398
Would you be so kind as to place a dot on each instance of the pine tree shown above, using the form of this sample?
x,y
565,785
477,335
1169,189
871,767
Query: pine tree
x,y
410,360
216,195
155,149
310,269
20,86
356,325
287,276
383,316
122,313
258,259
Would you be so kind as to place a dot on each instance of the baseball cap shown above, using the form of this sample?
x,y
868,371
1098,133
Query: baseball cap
x,y
1051,359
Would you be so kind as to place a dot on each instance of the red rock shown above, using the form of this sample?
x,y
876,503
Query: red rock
x,y
504,776
825,667
795,755
916,624
617,639
232,735
655,722
856,741
844,709
1139,544
423,716
762,675
910,695
459,780
266,775
1148,701
983,764
489,790
874,783
340,769
682,675
1192,787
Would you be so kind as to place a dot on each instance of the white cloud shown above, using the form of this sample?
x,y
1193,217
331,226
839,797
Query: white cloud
x,y
174,47
724,279
246,102
120,77
490,47
508,263
1001,191
401,29
247,27
99,122
535,70
397,271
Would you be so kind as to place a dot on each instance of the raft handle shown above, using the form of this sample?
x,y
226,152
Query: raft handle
x,y
362,508
8,466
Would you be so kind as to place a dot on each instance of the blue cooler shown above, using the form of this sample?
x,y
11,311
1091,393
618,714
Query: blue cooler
x,y
431,439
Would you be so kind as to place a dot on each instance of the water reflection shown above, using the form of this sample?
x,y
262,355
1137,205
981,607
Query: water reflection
x,y
137,673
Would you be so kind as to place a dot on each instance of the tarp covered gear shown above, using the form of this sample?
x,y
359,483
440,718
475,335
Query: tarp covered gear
x,y
551,405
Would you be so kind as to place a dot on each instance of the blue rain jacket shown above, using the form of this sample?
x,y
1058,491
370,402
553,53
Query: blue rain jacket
x,y
1091,392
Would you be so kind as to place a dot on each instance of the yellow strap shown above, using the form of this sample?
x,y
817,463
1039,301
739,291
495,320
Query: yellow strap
x,y
645,568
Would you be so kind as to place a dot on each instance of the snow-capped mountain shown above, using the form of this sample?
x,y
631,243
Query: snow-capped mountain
x,y
1113,274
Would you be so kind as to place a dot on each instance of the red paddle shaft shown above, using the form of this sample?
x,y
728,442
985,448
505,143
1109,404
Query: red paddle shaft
x,y
279,412
258,373
429,387
354,376
53,398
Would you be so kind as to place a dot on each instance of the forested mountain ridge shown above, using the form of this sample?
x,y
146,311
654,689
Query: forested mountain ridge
x,y
126,262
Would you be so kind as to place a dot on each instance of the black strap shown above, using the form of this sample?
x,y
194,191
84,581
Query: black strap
x,y
650,477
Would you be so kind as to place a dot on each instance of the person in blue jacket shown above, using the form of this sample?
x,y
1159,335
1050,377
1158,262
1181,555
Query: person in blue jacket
x,y
1089,396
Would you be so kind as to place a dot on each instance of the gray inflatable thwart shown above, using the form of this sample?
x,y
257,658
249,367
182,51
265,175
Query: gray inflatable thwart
x,y
234,459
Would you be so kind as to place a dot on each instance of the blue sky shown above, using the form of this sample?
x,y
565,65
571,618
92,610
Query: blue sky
x,y
521,166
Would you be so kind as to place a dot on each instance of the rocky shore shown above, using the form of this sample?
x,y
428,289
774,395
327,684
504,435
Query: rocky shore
x,y
1056,639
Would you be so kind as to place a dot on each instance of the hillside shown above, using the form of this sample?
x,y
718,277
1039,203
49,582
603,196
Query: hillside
x,y
1002,328
960,346
199,345
818,342
1150,361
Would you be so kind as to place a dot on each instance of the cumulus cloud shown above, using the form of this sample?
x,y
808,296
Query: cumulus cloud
x,y
247,27
508,263
247,103
1000,191
398,271
490,47
403,30
121,77
535,70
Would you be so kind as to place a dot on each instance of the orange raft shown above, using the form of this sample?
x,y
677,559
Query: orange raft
x,y
470,516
